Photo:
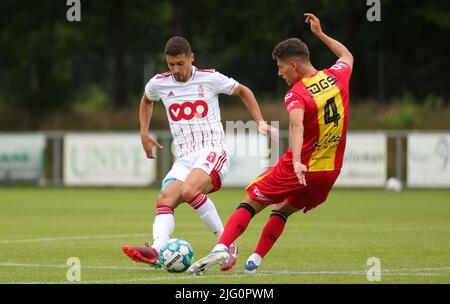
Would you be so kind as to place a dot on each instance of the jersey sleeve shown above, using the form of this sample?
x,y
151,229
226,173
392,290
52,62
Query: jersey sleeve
x,y
293,101
151,91
342,71
223,84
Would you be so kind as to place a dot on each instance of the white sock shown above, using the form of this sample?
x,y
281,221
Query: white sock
x,y
256,258
162,229
210,217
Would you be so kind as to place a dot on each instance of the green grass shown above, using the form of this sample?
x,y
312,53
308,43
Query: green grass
x,y
41,228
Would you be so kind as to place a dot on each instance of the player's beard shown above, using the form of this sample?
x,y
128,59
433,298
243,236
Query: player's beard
x,y
180,78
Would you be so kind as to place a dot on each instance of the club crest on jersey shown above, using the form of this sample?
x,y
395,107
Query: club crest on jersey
x,y
201,90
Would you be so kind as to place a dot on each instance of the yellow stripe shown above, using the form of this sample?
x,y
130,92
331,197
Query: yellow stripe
x,y
322,159
258,179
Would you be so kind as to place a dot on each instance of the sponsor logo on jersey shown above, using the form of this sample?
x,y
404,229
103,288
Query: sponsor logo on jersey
x,y
188,110
330,141
171,94
322,85
259,195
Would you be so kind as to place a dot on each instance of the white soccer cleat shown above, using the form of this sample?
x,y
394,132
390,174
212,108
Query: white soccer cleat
x,y
205,263
252,264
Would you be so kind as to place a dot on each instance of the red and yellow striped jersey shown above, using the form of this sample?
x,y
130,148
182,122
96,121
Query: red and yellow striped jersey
x,y
325,100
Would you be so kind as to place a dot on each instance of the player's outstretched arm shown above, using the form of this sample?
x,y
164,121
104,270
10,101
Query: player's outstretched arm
x,y
250,102
145,115
335,46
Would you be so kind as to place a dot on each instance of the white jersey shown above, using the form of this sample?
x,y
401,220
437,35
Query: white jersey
x,y
192,108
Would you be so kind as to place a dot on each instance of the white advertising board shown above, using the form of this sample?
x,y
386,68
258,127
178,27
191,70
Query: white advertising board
x,y
106,160
428,160
21,158
365,161
248,154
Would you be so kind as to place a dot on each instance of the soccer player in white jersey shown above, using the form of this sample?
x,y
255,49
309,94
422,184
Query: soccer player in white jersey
x,y
190,97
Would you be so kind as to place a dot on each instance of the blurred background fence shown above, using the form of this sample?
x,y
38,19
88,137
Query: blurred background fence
x,y
55,159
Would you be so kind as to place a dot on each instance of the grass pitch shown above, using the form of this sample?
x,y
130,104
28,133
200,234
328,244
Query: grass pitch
x,y
41,228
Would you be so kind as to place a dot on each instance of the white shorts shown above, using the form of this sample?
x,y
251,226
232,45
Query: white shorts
x,y
214,162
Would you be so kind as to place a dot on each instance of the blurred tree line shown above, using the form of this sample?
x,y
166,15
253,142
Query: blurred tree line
x,y
50,64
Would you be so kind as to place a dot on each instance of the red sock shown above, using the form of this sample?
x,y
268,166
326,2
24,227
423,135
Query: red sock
x,y
237,224
272,231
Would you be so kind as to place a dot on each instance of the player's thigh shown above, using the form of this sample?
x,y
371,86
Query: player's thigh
x,y
196,181
171,194
215,163
316,192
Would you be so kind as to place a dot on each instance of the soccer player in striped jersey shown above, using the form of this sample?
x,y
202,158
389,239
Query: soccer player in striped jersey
x,y
318,104
190,97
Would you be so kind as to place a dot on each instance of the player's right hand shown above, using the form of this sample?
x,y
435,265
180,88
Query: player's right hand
x,y
300,170
148,143
264,128
314,22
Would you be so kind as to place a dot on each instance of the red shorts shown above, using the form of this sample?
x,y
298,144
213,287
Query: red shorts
x,y
280,182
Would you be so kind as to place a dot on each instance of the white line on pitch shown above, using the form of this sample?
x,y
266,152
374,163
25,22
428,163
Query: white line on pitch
x,y
83,266
269,272
300,273
388,272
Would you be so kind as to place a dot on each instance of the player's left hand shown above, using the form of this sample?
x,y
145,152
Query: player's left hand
x,y
314,22
264,128
300,170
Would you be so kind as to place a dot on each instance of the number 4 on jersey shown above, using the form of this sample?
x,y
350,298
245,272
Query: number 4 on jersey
x,y
331,112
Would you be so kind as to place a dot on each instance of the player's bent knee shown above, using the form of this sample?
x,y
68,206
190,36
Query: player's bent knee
x,y
164,199
189,192
280,214
247,207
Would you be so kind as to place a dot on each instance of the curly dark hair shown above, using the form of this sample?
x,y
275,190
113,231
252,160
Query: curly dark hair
x,y
177,46
292,47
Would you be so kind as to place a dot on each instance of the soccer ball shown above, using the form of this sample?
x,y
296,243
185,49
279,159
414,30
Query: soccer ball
x,y
176,255
394,185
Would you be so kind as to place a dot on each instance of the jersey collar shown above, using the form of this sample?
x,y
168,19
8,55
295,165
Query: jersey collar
x,y
188,81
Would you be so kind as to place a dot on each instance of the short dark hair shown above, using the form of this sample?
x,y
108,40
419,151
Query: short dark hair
x,y
292,47
177,46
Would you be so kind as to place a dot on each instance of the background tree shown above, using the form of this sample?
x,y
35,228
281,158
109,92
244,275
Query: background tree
x,y
48,63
